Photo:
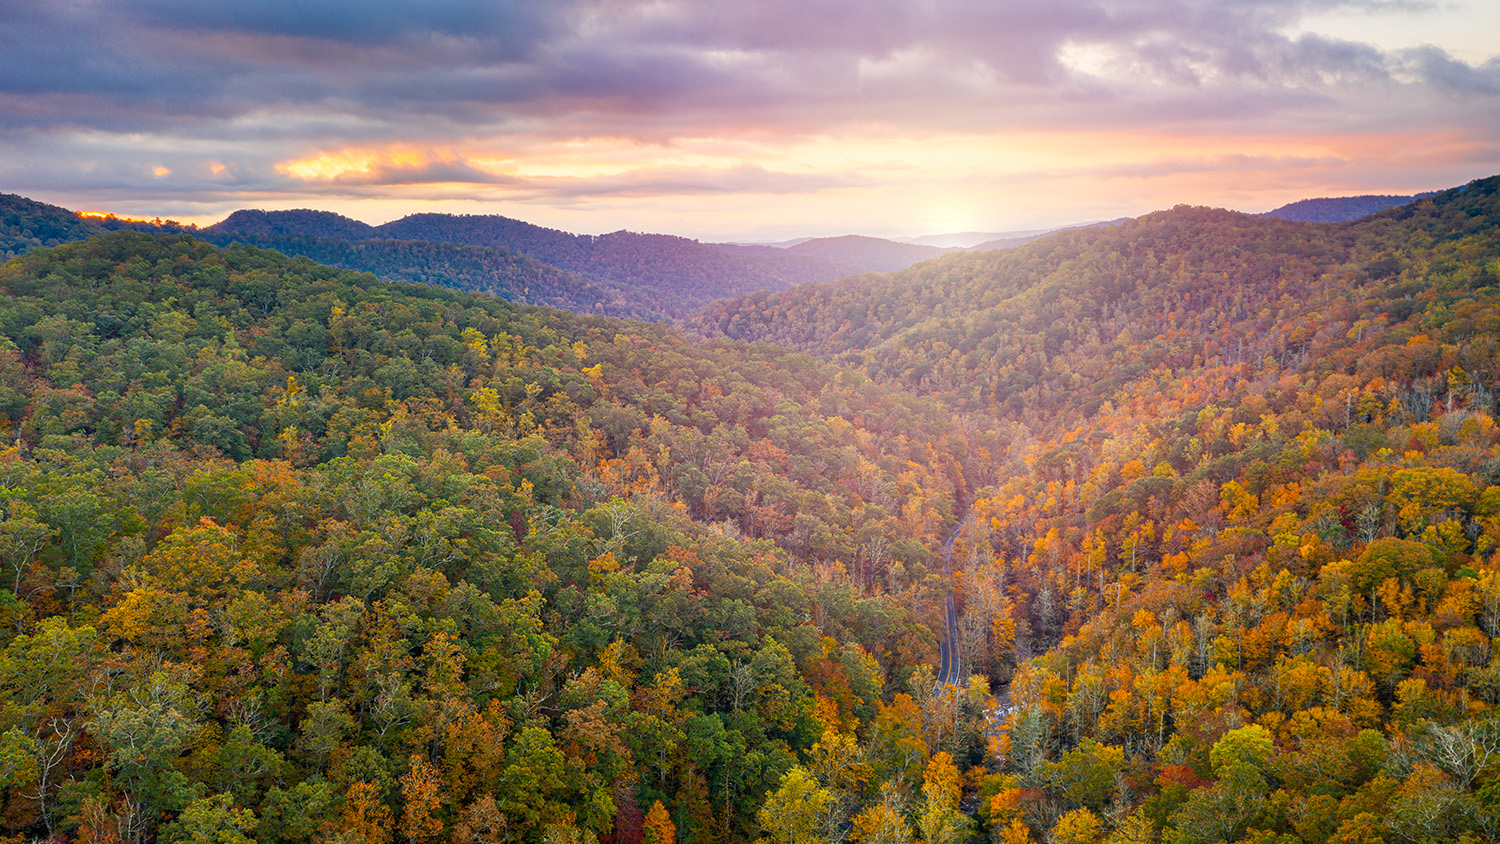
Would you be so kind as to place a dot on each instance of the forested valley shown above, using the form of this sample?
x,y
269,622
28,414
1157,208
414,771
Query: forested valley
x,y
293,554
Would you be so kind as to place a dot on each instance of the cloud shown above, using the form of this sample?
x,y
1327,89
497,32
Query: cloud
x,y
514,23
478,63
389,167
1454,78
105,92
690,181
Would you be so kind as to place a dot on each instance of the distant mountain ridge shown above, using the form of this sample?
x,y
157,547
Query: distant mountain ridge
x,y
26,224
303,222
956,325
869,254
1342,209
1020,238
627,274
675,273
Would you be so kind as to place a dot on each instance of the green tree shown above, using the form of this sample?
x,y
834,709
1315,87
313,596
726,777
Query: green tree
x,y
792,812
211,820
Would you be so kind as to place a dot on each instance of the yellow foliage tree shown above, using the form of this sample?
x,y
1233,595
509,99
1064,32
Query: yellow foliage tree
x,y
1079,826
658,827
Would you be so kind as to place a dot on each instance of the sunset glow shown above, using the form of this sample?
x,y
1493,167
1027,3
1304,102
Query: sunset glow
x,y
722,122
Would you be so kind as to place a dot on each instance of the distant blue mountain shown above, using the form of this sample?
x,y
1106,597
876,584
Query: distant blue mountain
x,y
1339,209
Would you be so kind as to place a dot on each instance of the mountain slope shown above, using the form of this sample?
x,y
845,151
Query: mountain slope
x,y
1219,495
865,254
653,275
303,223
499,272
26,224
282,512
685,268
1244,514
1338,210
1044,319
1027,237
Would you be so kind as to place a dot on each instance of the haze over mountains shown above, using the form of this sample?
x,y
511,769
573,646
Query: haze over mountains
x,y
626,274
661,273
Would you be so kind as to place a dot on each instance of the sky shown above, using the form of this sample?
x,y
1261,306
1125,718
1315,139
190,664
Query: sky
x,y
745,120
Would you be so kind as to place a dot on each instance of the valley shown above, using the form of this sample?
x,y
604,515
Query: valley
x,y
1183,528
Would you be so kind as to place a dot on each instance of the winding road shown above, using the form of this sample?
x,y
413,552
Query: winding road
x,y
950,666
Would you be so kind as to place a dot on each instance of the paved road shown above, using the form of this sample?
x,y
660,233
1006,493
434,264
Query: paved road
x,y
950,667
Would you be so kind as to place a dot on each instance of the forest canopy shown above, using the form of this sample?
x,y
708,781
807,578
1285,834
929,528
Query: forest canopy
x,y
288,553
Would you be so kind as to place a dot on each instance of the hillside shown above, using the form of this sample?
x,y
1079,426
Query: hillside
x,y
1216,498
477,269
640,276
26,224
304,223
271,529
1248,517
1168,289
685,268
1338,210
865,254
1027,237
676,274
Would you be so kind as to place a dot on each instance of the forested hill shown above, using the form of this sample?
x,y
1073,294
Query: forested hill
x,y
339,241
1048,332
478,269
293,554
640,276
1250,523
871,254
680,273
26,224
676,265
302,223
1338,209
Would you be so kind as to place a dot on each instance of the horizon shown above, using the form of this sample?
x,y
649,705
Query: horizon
x,y
743,124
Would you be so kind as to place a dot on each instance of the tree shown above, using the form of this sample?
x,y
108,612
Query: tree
x,y
366,819
295,814
791,813
1088,776
1419,494
421,791
145,730
1224,811
1079,826
211,820
22,537
658,825
533,776
883,822
940,820
897,737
